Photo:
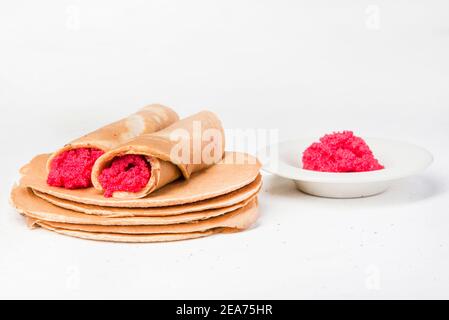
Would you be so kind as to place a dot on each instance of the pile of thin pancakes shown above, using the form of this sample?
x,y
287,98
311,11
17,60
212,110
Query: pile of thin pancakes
x,y
188,196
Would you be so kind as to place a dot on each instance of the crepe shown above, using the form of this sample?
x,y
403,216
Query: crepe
x,y
149,119
26,202
187,146
235,171
132,238
225,201
238,219
244,221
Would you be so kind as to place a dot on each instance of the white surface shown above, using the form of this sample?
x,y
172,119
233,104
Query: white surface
x,y
401,160
379,68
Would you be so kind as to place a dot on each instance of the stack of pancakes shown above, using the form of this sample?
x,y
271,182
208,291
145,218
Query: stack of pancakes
x,y
221,198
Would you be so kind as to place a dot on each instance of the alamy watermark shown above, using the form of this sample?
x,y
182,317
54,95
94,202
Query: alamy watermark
x,y
206,146
372,17
73,278
373,278
73,21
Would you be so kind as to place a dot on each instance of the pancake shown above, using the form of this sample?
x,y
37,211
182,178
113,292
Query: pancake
x,y
26,202
235,171
238,219
132,238
227,200
145,238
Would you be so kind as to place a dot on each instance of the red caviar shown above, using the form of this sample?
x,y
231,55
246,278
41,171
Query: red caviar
x,y
340,152
128,173
72,168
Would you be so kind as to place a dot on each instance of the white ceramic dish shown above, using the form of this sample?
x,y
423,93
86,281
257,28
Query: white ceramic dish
x,y
400,159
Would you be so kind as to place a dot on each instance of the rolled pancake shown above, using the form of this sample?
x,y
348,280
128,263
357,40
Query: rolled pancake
x,y
149,119
235,171
26,202
225,201
187,146
239,219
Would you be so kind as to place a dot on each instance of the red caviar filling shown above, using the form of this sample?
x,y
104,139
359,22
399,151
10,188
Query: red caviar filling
x,y
72,168
129,173
340,152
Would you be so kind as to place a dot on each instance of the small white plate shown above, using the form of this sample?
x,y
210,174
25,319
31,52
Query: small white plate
x,y
400,159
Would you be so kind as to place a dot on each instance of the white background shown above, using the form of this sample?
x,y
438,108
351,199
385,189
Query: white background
x,y
380,68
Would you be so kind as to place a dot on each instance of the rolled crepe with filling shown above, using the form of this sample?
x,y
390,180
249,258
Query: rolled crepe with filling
x,y
151,161
71,166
